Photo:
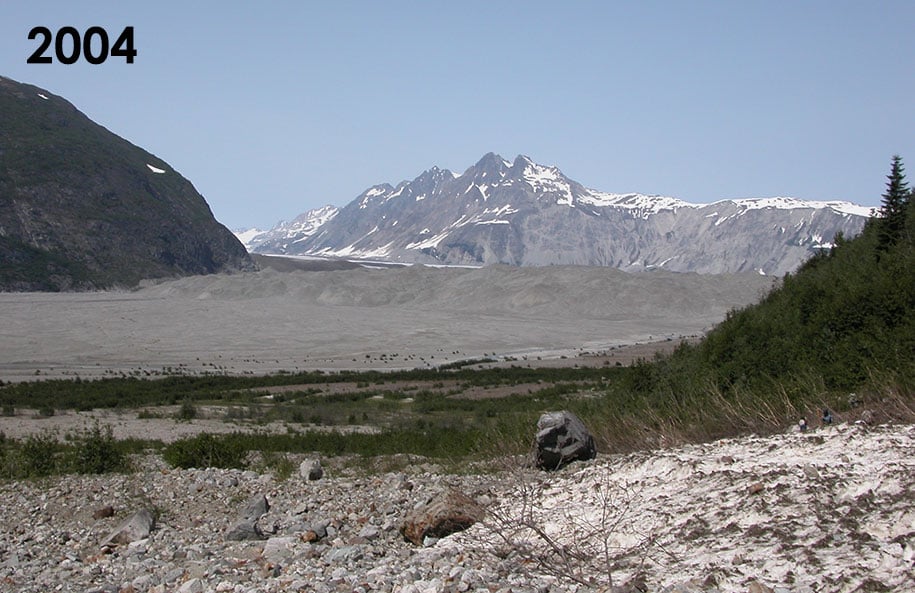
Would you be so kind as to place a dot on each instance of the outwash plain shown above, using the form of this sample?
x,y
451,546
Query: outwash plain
x,y
358,319
823,511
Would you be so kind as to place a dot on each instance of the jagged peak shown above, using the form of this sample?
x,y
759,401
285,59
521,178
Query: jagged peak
x,y
521,161
491,163
435,173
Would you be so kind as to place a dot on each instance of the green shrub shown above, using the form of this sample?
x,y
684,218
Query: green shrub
x,y
187,411
38,456
96,452
206,450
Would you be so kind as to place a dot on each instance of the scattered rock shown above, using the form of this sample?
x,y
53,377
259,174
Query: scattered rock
x,y
344,534
562,438
136,527
756,488
447,513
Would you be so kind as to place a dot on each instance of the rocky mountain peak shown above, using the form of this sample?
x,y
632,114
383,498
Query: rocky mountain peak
x,y
525,213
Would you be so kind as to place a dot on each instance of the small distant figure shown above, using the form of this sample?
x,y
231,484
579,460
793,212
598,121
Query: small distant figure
x,y
802,425
827,417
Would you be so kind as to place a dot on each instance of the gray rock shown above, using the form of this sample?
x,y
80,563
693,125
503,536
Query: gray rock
x,y
562,438
257,507
136,527
279,549
192,586
244,530
315,531
245,527
311,469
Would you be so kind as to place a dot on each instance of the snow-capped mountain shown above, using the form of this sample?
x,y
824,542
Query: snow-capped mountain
x,y
284,237
523,213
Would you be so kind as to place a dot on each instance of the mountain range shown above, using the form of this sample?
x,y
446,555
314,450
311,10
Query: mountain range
x,y
81,208
523,213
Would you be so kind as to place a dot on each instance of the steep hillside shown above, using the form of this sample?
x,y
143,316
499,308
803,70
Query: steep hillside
x,y
839,331
81,208
523,213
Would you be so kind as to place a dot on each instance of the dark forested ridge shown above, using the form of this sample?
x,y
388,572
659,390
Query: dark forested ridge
x,y
82,208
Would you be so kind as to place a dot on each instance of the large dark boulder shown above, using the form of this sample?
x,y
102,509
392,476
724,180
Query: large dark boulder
x,y
562,438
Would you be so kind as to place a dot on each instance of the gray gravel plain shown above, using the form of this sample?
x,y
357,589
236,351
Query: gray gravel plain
x,y
356,319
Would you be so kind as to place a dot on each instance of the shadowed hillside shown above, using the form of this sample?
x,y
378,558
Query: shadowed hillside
x,y
81,208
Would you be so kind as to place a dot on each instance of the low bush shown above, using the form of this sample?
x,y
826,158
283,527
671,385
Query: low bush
x,y
187,411
207,450
96,452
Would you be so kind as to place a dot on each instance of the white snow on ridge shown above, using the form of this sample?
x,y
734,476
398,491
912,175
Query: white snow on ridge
x,y
548,179
370,194
787,203
353,251
247,236
43,97
646,205
156,170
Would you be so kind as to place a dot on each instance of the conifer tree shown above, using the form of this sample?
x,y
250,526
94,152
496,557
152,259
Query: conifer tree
x,y
895,203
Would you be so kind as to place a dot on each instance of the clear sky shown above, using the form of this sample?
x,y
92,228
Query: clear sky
x,y
273,108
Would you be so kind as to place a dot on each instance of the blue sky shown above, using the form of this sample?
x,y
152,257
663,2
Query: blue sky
x,y
273,108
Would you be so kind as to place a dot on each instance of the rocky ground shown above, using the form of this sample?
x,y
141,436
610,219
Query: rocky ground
x,y
824,511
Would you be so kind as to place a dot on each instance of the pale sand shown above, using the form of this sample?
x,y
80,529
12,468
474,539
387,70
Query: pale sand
x,y
356,319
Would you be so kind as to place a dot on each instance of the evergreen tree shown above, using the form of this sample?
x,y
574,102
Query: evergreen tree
x,y
895,203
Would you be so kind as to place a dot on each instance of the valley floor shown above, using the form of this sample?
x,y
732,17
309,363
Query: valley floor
x,y
356,319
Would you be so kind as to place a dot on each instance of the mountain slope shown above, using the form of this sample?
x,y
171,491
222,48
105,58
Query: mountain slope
x,y
285,234
81,208
523,213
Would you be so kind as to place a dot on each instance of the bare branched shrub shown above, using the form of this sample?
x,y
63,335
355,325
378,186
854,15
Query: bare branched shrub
x,y
591,537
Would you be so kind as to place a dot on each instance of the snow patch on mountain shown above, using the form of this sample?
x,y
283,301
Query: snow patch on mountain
x,y
246,236
641,205
286,233
787,203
